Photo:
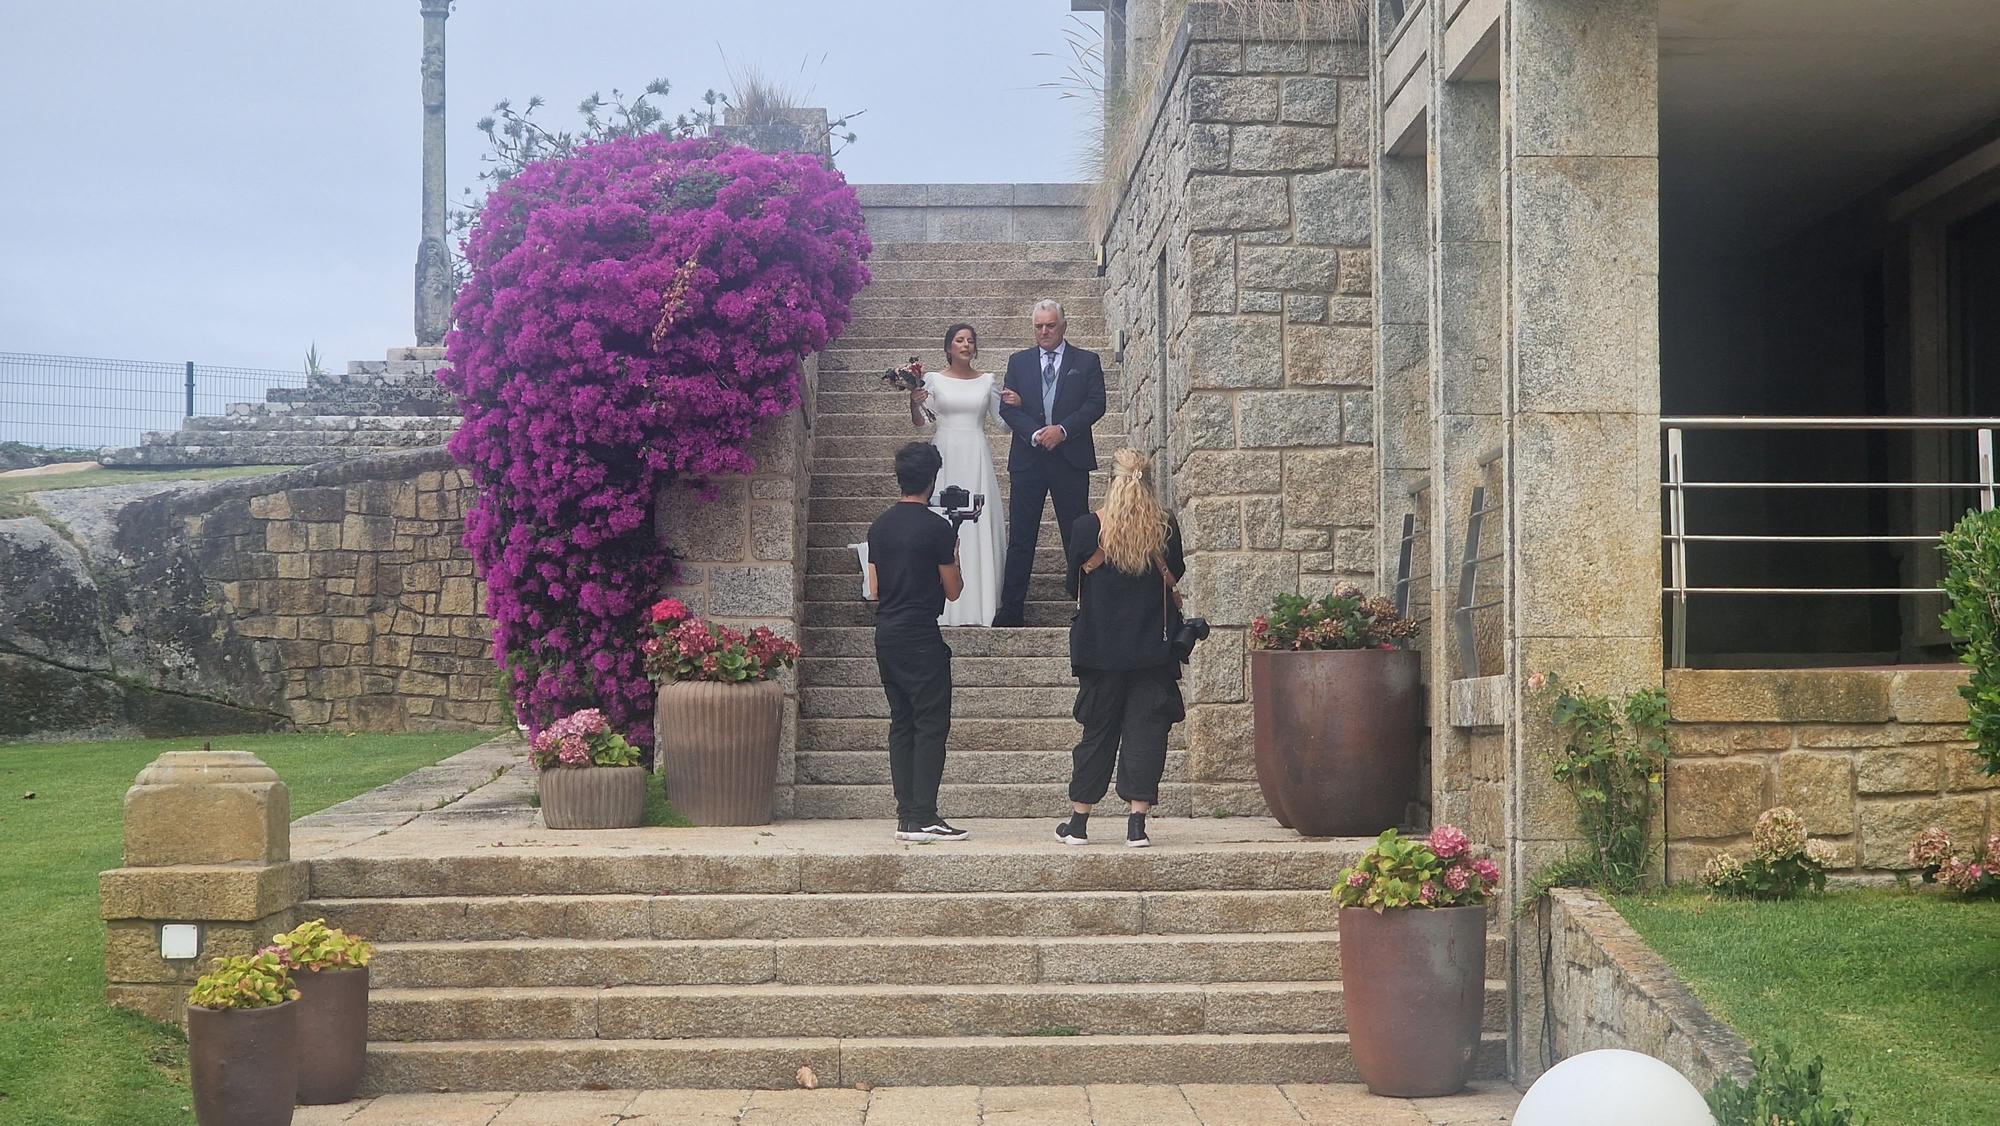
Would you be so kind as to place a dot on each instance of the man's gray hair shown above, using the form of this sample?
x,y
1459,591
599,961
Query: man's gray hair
x,y
1048,303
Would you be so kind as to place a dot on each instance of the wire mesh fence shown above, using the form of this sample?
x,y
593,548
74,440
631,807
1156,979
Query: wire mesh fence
x,y
83,402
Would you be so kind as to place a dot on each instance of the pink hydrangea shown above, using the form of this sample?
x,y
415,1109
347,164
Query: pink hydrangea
x,y
1457,877
1488,871
635,312
575,752
1429,893
671,610
1930,848
1357,879
1448,841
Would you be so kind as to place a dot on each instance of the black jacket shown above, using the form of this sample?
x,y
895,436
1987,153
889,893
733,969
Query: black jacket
x,y
1079,404
1119,624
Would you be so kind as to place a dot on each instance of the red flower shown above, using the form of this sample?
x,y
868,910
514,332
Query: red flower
x,y
670,610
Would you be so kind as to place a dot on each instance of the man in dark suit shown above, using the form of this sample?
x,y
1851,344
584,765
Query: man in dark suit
x,y
1061,391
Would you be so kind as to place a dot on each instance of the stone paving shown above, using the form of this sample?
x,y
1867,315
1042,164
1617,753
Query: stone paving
x,y
1483,1104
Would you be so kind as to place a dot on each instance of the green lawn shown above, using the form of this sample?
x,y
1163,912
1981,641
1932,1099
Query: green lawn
x,y
14,490
65,1056
1899,991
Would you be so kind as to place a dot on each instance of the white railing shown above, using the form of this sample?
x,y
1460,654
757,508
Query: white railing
x,y
1677,485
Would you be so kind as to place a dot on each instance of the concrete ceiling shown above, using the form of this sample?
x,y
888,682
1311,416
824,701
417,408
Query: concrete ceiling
x,y
1775,113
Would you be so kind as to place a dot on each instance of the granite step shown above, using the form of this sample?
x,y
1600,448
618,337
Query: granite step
x,y
542,1065
958,801
874,487
967,643
644,1012
971,768
398,438
858,613
845,356
958,289
836,588
869,331
952,271
221,455
946,303
968,736
840,533
863,391
1010,251
1291,864
967,702
841,561
862,915
252,420
1017,672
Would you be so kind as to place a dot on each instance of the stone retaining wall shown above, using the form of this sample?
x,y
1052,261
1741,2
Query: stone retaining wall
x,y
1239,270
1606,988
1867,756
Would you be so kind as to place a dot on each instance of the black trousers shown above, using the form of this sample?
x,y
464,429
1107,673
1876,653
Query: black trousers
x,y
1125,718
916,674
1046,477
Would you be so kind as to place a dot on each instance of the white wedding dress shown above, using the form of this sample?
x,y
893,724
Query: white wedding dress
x,y
962,407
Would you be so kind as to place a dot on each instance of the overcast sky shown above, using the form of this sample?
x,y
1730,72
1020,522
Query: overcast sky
x,y
229,181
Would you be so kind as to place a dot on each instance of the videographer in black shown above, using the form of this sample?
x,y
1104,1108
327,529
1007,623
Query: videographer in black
x,y
912,572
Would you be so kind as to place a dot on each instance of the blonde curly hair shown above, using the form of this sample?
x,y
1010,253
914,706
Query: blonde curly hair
x,y
1133,523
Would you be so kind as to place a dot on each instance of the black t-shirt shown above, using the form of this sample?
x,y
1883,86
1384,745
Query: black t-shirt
x,y
907,545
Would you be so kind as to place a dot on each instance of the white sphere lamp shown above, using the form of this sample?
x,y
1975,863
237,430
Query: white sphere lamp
x,y
1612,1085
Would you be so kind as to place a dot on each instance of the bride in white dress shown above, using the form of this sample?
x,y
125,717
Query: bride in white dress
x,y
963,398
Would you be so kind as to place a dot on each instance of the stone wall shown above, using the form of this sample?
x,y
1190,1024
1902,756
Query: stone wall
x,y
740,542
1867,756
972,212
1606,988
336,596
1239,267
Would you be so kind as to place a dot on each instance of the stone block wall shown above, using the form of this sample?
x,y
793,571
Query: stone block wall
x,y
740,542
972,212
336,596
1239,264
1867,756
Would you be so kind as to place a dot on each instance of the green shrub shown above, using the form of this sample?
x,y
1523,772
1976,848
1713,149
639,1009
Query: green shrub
x,y
244,981
1780,1094
1972,583
1611,761
1782,860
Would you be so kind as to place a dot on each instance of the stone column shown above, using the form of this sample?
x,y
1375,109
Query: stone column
x,y
1581,134
207,846
434,289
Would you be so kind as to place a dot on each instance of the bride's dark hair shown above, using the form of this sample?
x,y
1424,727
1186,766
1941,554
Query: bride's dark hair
x,y
952,332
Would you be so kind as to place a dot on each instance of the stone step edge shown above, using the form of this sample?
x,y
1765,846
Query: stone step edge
x,y
921,942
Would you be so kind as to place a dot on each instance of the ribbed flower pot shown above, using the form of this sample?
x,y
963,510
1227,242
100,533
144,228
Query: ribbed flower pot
x,y
717,747
593,797
243,1064
1337,737
333,1033
1414,980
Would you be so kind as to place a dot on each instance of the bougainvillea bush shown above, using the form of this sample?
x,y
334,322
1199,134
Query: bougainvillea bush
x,y
634,311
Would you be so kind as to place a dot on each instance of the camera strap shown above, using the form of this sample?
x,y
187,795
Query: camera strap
x,y
1170,591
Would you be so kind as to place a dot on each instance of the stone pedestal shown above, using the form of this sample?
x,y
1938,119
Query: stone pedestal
x,y
207,845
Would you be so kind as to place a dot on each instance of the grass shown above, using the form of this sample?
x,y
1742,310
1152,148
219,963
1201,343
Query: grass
x,y
66,1056
14,490
1899,991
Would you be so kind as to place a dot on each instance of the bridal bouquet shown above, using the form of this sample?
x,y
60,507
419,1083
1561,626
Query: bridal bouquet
x,y
908,378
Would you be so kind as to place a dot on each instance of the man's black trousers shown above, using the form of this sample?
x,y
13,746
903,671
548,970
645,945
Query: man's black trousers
x,y
1046,477
1125,718
916,674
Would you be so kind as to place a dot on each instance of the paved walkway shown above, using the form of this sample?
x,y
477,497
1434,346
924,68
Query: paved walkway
x,y
1484,1104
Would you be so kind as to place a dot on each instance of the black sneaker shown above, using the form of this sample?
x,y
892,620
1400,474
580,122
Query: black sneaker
x,y
1070,836
935,831
1135,833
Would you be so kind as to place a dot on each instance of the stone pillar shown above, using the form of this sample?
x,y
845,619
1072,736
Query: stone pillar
x,y
741,546
207,846
1581,135
434,289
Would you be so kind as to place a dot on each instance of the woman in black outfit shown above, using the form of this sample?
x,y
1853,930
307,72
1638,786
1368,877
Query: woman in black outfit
x,y
1123,561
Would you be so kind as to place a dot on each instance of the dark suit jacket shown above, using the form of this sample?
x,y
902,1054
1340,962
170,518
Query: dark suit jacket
x,y
1079,404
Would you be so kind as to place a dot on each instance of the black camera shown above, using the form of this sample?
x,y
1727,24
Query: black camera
x,y
1182,640
959,506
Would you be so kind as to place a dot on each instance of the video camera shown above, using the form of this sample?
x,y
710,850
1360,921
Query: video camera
x,y
959,506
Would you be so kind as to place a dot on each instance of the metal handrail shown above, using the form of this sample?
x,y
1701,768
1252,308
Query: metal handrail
x,y
1677,486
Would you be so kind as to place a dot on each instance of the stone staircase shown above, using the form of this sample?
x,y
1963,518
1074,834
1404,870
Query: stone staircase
x,y
684,962
375,406
1011,727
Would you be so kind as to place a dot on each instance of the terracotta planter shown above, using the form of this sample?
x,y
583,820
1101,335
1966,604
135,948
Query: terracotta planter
x,y
243,1064
1415,985
333,1033
593,797
1337,737
717,747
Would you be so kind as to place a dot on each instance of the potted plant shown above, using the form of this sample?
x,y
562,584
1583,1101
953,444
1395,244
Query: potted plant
x,y
329,968
590,776
243,1053
1413,960
720,706
1334,707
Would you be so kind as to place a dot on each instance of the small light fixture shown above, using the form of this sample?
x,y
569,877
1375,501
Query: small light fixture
x,y
180,942
1123,336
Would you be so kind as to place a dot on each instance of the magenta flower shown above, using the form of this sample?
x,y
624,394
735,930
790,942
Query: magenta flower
x,y
1429,893
1457,877
1488,871
1448,841
635,313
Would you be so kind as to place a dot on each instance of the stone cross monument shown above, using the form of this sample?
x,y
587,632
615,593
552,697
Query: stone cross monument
x,y
433,254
